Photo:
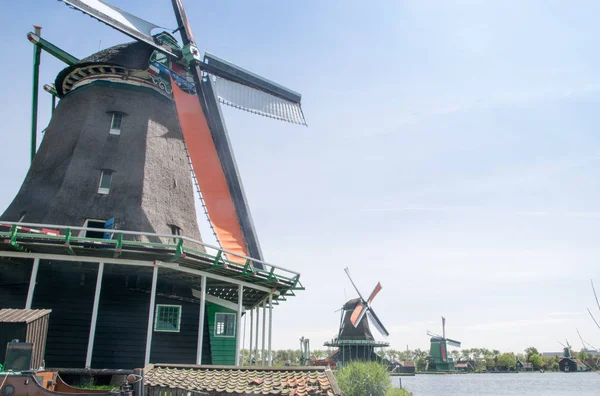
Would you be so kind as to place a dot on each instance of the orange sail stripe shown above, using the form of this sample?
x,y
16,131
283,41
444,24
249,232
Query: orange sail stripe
x,y
374,292
208,170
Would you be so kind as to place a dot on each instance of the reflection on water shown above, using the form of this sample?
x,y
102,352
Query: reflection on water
x,y
522,384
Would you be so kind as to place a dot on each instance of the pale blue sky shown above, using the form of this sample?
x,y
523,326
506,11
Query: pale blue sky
x,y
452,153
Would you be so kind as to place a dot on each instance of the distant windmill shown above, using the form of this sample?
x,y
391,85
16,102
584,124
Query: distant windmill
x,y
439,359
355,340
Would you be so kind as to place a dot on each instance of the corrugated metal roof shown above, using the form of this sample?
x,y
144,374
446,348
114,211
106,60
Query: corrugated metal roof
x,y
22,315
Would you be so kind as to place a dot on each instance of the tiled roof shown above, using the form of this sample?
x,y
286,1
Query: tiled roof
x,y
290,381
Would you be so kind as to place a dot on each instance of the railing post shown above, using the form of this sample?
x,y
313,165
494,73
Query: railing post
x,y
92,335
201,321
32,279
151,315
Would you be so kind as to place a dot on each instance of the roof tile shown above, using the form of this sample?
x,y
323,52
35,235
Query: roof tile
x,y
290,381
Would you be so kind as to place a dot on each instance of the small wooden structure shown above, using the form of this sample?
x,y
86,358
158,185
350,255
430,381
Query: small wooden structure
x,y
25,325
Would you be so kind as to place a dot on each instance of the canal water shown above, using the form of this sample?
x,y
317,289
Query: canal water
x,y
521,384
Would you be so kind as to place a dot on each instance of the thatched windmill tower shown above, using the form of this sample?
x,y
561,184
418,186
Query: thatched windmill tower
x,y
103,230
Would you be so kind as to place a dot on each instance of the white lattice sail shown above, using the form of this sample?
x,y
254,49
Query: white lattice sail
x,y
256,101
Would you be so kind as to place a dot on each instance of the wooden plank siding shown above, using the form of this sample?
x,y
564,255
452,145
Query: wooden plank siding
x,y
68,289
14,283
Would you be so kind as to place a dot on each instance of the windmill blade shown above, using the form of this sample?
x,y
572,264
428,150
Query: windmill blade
x,y
377,323
120,20
222,68
374,293
239,88
595,295
351,281
453,342
594,319
243,97
358,313
430,334
563,345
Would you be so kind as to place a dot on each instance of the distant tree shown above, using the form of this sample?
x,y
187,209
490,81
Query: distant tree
x,y
418,353
455,355
466,354
506,361
495,352
421,363
490,362
537,361
529,352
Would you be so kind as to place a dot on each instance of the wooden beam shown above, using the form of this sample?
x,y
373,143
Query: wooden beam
x,y
32,279
151,316
92,335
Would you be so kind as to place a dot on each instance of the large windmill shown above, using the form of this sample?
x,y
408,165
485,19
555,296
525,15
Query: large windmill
x,y
355,340
103,230
438,358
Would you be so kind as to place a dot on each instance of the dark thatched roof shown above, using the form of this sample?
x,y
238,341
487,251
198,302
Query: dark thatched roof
x,y
133,55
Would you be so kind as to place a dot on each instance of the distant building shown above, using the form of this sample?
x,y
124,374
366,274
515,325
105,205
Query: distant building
x,y
571,365
403,366
464,365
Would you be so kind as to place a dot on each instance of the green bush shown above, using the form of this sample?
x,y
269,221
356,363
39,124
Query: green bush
x,y
364,379
398,392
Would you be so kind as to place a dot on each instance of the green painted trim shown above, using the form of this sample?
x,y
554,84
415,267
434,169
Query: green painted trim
x,y
37,51
119,245
58,53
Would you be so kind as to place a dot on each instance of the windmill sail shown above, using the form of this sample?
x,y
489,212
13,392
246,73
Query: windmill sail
x,y
247,91
209,173
123,21
258,102
377,323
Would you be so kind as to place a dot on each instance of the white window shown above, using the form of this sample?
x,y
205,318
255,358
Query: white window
x,y
115,124
168,318
105,179
225,325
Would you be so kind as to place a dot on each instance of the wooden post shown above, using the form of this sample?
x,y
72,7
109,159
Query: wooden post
x,y
251,335
92,335
32,279
270,328
262,354
201,321
151,315
238,334
256,336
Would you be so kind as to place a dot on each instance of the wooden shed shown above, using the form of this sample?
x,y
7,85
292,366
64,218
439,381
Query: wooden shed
x,y
25,325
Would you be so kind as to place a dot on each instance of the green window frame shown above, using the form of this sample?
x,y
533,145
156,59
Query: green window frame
x,y
167,318
225,324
